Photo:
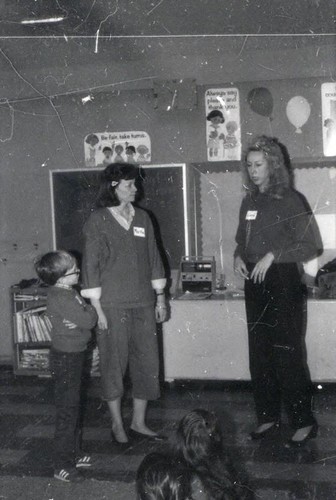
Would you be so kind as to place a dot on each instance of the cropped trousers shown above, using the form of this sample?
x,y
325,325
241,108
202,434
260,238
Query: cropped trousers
x,y
129,342
276,311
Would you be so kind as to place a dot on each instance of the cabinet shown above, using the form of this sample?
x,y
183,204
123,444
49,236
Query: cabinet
x,y
207,340
31,331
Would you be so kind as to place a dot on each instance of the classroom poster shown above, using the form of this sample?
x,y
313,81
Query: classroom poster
x,y
103,148
328,91
223,135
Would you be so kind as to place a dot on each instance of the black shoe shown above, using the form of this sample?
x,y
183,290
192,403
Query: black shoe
x,y
268,432
140,435
311,435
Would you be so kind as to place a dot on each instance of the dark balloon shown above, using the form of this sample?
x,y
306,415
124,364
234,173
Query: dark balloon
x,y
261,101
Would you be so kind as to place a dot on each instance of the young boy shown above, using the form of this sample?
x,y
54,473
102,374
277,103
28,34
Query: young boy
x,y
72,319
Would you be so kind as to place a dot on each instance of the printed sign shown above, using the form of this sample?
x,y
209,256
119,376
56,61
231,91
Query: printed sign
x,y
223,134
103,148
328,91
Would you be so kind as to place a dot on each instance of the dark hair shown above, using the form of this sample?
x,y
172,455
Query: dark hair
x,y
91,137
159,478
328,121
198,435
53,265
115,172
130,148
199,443
279,172
214,113
107,148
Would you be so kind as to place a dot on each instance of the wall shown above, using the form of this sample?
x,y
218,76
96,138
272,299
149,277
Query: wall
x,y
49,135
220,196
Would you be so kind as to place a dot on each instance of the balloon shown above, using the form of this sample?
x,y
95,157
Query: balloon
x,y
261,101
298,112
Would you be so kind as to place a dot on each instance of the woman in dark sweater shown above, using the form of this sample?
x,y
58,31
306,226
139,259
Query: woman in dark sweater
x,y
123,276
276,234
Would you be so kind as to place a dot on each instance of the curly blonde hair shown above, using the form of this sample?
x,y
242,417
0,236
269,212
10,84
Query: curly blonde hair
x,y
279,172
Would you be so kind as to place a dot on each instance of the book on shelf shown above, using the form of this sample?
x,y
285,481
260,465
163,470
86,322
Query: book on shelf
x,y
21,297
32,325
34,359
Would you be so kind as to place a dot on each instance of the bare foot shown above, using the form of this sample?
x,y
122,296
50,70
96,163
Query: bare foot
x,y
119,434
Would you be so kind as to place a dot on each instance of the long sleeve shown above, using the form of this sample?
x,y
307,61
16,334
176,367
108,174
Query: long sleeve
x,y
241,232
121,265
92,256
79,312
67,305
304,242
157,271
284,226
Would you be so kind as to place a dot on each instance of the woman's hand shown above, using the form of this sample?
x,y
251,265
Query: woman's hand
x,y
160,309
102,321
260,269
240,268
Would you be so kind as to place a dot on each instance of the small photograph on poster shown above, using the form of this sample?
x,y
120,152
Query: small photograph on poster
x,y
328,91
223,133
103,148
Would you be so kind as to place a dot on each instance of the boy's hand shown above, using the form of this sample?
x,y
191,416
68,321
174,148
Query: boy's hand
x,y
69,324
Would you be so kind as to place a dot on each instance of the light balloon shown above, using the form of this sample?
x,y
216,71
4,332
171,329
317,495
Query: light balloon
x,y
298,112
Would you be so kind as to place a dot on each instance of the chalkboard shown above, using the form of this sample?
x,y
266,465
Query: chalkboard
x,y
162,194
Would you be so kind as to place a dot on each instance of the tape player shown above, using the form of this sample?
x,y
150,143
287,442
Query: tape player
x,y
198,274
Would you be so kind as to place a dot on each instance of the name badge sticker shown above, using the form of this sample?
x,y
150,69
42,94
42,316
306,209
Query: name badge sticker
x,y
139,231
251,215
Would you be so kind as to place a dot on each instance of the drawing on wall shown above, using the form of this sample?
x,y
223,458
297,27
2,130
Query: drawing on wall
x,y
103,148
260,100
328,91
298,112
223,134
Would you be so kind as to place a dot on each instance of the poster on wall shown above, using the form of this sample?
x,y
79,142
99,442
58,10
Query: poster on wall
x,y
223,133
328,91
103,148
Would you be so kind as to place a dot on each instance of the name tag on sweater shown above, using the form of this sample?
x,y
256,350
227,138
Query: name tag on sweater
x,y
251,215
139,231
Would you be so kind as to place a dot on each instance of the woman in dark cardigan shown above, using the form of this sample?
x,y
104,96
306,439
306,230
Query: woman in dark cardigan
x,y
275,235
124,278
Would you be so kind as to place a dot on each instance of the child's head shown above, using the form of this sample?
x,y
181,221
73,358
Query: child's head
x,y
231,127
55,266
130,150
107,151
159,478
91,139
215,116
142,149
119,149
198,436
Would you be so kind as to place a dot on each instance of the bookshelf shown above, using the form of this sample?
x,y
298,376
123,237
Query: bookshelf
x,y
31,331
31,334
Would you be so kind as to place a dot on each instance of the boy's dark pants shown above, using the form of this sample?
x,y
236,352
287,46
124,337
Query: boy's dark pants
x,y
66,369
276,326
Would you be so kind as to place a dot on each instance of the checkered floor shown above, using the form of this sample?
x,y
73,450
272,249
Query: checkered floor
x,y
27,421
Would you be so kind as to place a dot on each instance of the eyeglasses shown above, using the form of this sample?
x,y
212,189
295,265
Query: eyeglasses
x,y
74,272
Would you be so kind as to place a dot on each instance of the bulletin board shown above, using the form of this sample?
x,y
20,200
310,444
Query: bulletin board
x,y
163,194
218,195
